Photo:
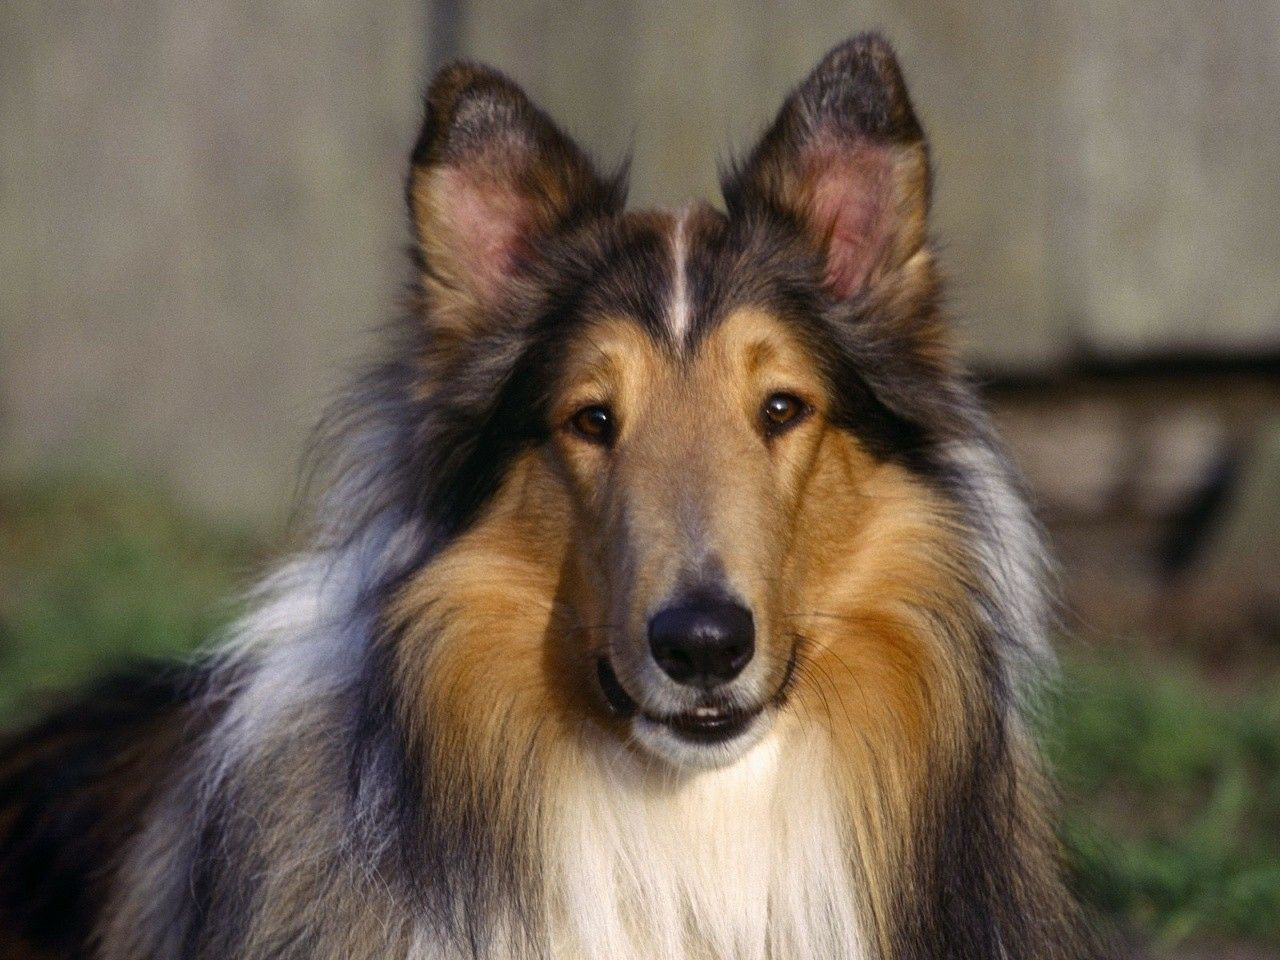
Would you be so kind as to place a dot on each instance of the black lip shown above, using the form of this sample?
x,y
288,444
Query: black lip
x,y
706,725
619,700
708,728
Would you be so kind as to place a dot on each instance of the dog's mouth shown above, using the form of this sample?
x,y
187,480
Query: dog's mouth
x,y
706,724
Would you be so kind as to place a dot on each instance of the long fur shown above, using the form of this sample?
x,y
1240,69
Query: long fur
x,y
396,754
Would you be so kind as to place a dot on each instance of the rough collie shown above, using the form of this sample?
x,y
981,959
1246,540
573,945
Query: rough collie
x,y
668,599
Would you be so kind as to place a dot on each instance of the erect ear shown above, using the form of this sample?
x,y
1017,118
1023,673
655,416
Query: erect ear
x,y
491,177
846,161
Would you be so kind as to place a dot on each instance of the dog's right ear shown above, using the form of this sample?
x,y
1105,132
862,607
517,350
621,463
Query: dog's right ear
x,y
491,177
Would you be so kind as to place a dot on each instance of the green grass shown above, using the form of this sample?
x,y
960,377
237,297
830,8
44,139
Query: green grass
x,y
93,573
1172,793
1171,787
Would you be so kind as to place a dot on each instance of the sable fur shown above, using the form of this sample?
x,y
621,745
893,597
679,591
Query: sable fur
x,y
405,749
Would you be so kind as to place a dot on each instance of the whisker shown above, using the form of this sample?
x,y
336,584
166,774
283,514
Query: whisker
x,y
844,706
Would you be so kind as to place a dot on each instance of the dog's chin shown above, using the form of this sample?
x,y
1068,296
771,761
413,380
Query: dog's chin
x,y
686,747
705,737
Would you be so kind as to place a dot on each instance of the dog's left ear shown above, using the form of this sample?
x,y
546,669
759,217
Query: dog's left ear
x,y
845,161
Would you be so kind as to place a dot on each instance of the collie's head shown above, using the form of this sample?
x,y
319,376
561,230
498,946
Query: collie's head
x,y
671,466
675,483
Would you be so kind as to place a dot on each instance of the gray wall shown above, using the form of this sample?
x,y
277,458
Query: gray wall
x,y
200,211
1164,136
200,204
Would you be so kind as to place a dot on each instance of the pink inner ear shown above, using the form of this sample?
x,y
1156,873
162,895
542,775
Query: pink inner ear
x,y
850,208
488,222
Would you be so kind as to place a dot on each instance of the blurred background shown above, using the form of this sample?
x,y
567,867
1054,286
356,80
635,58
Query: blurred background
x,y
201,220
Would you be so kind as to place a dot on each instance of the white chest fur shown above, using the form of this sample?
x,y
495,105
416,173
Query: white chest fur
x,y
748,862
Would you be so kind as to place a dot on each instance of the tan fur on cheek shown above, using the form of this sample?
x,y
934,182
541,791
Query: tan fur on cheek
x,y
876,574
491,654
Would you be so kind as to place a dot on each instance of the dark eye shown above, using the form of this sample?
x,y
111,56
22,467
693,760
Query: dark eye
x,y
594,423
781,411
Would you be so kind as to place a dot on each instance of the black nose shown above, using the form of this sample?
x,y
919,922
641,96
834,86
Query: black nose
x,y
703,642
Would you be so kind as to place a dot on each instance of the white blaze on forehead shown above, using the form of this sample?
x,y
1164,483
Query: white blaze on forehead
x,y
679,312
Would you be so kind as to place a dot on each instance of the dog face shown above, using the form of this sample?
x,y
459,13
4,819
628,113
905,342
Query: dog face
x,y
685,459
711,431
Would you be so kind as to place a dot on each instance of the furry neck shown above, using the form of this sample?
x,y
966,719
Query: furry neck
x,y
749,862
